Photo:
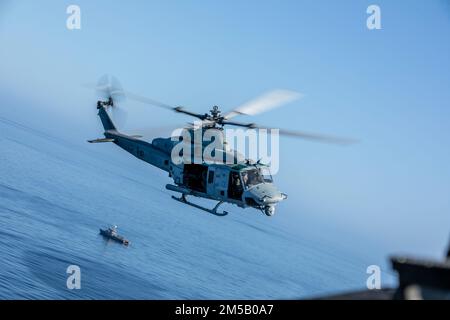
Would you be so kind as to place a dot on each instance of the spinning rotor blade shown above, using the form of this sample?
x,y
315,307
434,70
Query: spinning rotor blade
x,y
159,131
108,87
148,101
266,102
193,114
297,134
156,103
119,115
317,137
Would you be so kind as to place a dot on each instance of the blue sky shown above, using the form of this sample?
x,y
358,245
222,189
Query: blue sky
x,y
388,88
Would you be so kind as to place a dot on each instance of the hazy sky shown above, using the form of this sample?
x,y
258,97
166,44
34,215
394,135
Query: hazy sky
x,y
388,88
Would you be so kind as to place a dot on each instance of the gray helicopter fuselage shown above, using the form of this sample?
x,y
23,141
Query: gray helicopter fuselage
x,y
141,149
215,181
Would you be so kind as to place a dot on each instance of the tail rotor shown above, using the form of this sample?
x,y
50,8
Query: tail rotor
x,y
111,95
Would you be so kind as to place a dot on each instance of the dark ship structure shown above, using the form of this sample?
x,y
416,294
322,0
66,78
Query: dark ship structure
x,y
418,279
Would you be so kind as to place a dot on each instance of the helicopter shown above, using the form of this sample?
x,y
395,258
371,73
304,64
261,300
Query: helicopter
x,y
242,182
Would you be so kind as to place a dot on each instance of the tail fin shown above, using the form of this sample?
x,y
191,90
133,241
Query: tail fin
x,y
106,119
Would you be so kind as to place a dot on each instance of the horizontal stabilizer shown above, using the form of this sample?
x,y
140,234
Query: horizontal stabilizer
x,y
136,136
101,140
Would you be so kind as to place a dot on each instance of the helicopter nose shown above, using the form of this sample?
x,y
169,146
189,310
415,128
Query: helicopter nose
x,y
271,199
266,194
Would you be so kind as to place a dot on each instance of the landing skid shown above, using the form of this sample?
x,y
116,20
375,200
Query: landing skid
x,y
213,211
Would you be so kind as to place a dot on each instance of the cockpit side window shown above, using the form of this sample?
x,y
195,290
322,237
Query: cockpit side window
x,y
235,188
252,177
267,176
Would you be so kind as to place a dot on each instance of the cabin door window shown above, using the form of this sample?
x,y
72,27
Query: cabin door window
x,y
235,188
194,177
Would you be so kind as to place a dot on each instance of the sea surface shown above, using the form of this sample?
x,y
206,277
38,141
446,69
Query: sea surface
x,y
55,195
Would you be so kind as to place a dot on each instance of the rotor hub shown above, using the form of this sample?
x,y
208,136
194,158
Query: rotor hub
x,y
215,112
107,103
213,118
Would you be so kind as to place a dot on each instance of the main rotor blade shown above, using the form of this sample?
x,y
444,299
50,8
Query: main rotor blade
x,y
105,87
190,113
297,134
266,102
167,130
318,137
148,101
156,103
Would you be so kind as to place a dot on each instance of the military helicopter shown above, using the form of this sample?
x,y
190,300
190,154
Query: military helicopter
x,y
242,182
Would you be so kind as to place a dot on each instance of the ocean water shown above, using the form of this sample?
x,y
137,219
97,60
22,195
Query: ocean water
x,y
55,195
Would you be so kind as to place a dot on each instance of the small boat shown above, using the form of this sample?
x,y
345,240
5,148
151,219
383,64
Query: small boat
x,y
111,233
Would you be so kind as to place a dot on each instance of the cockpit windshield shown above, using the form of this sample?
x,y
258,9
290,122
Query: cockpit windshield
x,y
255,176
267,176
